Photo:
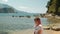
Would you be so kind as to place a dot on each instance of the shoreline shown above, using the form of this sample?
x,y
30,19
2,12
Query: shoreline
x,y
31,31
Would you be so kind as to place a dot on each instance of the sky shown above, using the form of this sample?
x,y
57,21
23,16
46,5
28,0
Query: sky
x,y
31,6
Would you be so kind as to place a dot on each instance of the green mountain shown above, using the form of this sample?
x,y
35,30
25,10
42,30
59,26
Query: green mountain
x,y
6,8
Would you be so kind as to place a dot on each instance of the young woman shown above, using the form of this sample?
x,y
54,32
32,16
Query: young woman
x,y
38,26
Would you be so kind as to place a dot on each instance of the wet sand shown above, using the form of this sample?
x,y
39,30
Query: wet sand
x,y
31,31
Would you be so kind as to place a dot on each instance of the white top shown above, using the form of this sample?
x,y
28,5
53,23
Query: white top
x,y
38,27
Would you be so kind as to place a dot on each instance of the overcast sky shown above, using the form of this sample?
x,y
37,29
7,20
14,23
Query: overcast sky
x,y
31,6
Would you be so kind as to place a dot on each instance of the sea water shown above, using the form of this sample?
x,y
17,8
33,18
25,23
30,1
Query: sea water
x,y
18,23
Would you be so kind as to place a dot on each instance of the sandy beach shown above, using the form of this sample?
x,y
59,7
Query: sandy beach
x,y
31,31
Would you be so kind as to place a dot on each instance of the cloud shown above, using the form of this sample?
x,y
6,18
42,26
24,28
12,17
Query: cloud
x,y
24,8
5,0
31,9
28,9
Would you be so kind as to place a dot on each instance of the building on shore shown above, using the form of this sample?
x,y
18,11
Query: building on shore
x,y
53,7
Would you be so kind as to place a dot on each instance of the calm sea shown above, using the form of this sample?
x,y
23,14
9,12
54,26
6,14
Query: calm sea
x,y
18,23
